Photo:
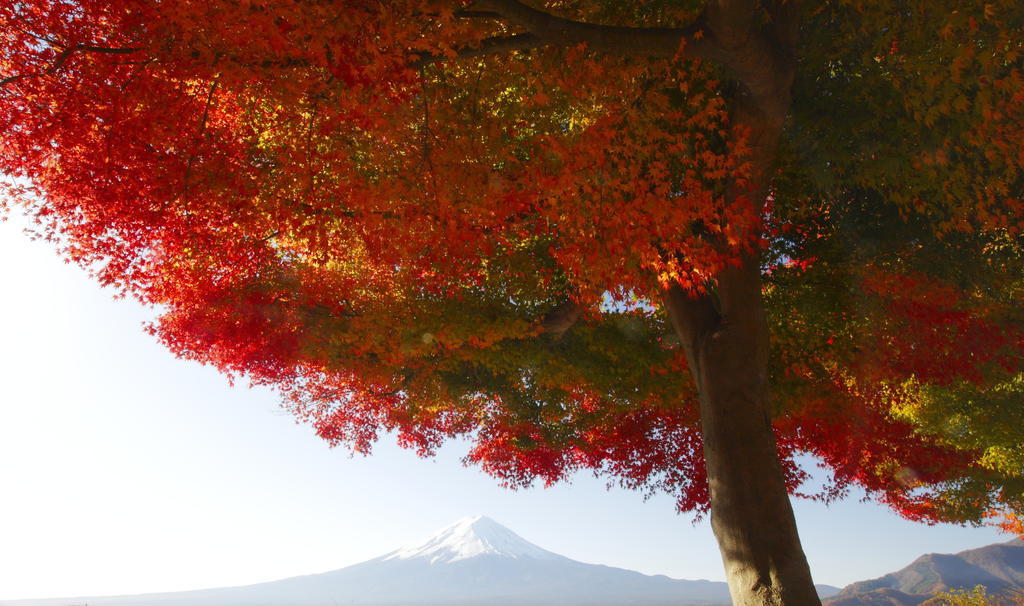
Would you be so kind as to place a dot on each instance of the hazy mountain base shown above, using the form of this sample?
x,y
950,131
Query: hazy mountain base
x,y
475,561
481,580
484,579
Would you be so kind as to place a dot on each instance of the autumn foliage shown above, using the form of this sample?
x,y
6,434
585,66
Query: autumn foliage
x,y
409,220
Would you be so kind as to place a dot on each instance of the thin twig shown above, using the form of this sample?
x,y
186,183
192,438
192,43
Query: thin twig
x,y
427,135
62,58
199,138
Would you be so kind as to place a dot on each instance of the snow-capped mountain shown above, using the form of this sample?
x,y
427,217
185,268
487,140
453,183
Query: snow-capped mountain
x,y
475,561
472,537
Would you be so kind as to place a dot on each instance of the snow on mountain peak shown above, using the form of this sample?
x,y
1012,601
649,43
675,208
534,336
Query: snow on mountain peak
x,y
471,537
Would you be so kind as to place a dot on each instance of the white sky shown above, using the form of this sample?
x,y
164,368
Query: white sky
x,y
124,470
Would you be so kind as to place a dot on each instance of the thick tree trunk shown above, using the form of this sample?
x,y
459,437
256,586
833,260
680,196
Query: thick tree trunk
x,y
750,510
726,336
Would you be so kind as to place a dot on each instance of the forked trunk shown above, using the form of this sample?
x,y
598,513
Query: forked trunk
x,y
751,516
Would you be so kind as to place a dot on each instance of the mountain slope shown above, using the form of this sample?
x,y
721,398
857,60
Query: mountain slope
x,y
471,537
998,567
474,561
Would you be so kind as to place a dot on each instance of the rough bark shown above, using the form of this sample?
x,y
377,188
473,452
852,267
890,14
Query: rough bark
x,y
750,510
561,319
550,30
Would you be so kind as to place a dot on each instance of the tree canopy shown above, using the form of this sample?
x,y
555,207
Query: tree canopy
x,y
445,218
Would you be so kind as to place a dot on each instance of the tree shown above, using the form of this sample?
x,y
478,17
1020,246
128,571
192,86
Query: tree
x,y
675,242
979,596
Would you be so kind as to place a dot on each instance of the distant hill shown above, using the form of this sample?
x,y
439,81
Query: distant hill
x,y
998,567
474,561
877,597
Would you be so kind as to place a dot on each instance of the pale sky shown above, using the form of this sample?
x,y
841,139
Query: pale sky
x,y
124,470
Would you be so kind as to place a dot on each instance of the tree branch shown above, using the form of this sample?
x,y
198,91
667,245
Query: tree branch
x,y
488,46
59,62
469,14
729,32
635,41
62,58
694,319
731,20
103,50
561,319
